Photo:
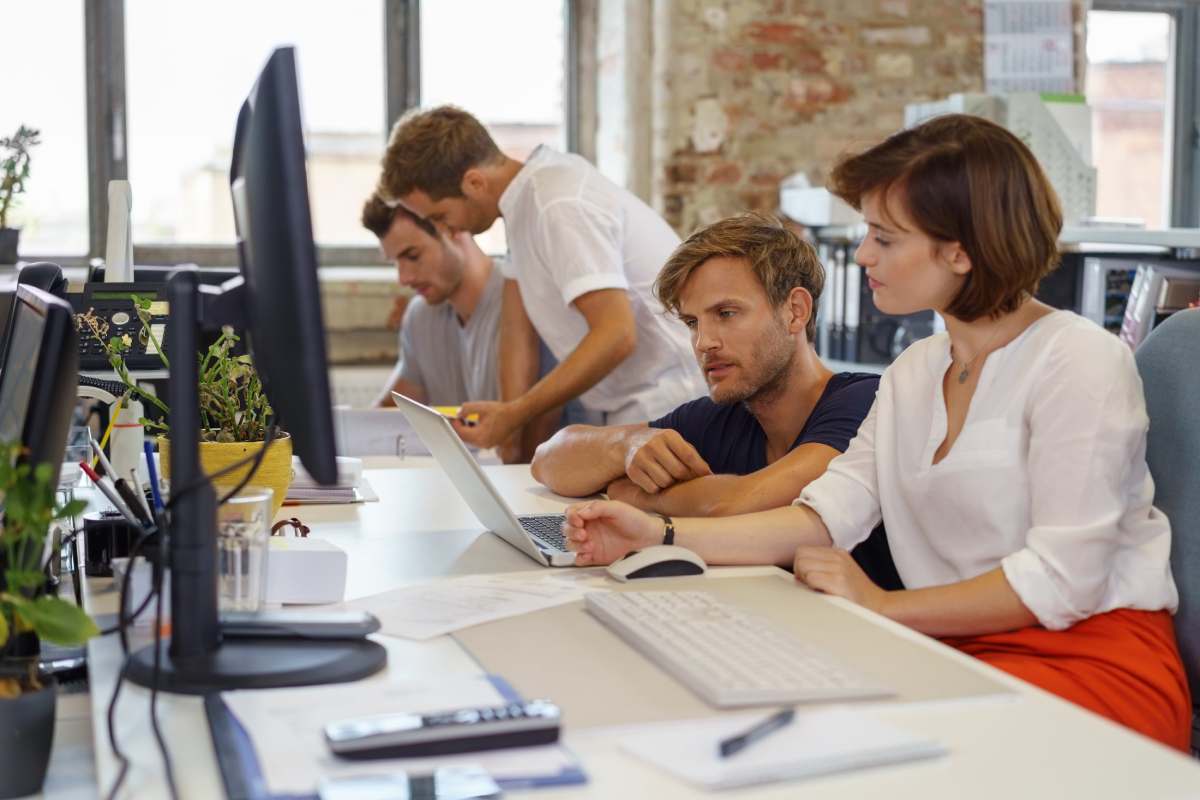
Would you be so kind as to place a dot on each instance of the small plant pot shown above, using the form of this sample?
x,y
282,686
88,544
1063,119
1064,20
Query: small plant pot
x,y
8,245
26,736
275,471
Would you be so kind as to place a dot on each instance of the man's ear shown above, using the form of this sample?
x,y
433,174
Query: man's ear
x,y
799,309
474,183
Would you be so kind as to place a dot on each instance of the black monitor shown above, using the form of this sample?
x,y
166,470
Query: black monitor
x,y
275,302
39,374
279,263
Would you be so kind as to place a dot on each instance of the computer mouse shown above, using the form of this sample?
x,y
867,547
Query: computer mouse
x,y
660,561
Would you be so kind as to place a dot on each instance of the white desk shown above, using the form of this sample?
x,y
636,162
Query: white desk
x,y
1028,744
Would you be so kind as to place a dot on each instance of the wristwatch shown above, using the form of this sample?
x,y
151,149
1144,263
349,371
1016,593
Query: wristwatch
x,y
669,534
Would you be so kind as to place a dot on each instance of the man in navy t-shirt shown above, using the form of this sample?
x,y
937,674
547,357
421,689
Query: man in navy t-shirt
x,y
747,288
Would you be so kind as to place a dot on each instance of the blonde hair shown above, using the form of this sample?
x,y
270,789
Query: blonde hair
x,y
430,151
780,259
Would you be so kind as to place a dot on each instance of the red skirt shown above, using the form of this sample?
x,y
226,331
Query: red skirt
x,y
1123,665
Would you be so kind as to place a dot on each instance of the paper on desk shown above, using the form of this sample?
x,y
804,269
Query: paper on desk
x,y
818,742
434,609
287,729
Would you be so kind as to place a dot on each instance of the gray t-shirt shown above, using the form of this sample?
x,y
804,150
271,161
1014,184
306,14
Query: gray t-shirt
x,y
454,363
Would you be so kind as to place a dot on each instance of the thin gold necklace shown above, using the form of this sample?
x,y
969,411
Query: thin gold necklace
x,y
966,370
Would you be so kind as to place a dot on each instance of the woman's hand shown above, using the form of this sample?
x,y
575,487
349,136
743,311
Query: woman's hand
x,y
601,531
834,571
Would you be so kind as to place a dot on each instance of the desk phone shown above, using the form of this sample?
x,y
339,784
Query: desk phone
x,y
113,303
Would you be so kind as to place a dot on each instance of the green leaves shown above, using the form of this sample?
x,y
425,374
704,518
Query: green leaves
x,y
54,619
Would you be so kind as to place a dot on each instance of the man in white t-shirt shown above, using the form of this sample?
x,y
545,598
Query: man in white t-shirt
x,y
584,254
449,333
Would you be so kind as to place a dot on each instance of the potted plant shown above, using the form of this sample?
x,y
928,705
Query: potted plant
x,y
28,615
14,171
234,410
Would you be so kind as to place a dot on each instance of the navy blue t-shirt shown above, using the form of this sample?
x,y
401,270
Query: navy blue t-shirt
x,y
731,441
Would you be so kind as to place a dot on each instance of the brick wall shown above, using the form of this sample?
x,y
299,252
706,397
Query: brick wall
x,y
747,92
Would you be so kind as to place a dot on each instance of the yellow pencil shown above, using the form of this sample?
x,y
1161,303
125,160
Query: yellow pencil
x,y
112,421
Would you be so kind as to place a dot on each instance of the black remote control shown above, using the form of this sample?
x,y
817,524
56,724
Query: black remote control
x,y
460,731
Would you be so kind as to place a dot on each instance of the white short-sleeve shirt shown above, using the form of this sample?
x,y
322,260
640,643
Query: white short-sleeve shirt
x,y
1047,479
572,231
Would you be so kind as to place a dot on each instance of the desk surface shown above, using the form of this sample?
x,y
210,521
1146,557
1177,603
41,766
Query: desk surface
x,y
1024,743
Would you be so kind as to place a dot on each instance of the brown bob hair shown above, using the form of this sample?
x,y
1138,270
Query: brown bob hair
x,y
964,179
430,150
378,216
780,259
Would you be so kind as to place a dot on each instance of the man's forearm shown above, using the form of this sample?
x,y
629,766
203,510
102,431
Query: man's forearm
x,y
581,459
598,354
707,496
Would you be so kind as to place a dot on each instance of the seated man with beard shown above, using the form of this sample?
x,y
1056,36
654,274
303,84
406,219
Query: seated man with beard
x,y
747,289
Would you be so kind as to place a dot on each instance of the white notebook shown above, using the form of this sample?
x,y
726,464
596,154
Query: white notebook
x,y
817,742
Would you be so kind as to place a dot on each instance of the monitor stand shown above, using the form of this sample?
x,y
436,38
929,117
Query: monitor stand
x,y
259,664
195,659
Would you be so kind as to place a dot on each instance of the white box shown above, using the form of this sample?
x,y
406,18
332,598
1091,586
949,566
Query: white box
x,y
305,571
815,206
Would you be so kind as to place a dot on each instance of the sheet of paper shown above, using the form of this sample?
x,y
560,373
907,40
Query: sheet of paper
x,y
286,726
433,609
818,742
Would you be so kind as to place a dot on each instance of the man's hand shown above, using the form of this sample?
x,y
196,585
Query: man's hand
x,y
601,531
496,422
656,458
831,570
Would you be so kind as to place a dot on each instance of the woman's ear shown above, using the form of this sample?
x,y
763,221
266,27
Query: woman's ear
x,y
955,257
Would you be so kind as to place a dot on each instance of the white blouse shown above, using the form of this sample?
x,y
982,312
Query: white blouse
x,y
1047,478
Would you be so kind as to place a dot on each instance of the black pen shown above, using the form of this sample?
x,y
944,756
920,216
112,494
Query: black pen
x,y
735,744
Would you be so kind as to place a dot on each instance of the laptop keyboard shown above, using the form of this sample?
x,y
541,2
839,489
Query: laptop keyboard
x,y
546,529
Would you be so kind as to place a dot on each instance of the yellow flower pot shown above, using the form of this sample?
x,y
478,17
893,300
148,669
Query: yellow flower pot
x,y
275,471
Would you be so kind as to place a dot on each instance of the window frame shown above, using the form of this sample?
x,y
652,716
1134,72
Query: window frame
x,y
107,138
1184,192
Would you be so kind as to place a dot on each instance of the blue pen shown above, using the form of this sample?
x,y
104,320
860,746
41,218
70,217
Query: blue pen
x,y
149,451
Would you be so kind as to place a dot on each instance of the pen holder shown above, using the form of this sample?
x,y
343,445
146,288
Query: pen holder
x,y
106,535
243,531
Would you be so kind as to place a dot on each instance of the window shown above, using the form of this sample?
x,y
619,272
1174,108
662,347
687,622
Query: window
x,y
53,212
184,93
514,81
152,90
1129,87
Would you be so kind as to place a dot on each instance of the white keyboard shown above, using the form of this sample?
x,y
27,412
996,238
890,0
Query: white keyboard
x,y
727,657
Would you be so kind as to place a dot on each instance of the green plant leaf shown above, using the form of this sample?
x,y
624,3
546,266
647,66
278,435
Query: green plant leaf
x,y
56,620
3,629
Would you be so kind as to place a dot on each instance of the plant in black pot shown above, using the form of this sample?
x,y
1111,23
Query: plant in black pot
x,y
28,615
14,171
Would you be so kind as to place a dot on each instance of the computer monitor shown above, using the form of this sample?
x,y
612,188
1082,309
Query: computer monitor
x,y
39,375
279,263
276,302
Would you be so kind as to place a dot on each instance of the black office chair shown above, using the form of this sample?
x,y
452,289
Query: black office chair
x,y
45,276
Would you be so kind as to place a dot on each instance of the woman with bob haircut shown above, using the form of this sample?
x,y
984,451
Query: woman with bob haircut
x,y
1006,456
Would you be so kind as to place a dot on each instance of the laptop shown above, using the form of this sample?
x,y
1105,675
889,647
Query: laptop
x,y
538,536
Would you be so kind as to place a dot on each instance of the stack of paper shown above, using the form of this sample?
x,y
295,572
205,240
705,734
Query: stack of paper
x,y
351,486
818,742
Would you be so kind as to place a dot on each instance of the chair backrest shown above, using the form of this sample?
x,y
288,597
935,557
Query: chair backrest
x,y
1169,363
